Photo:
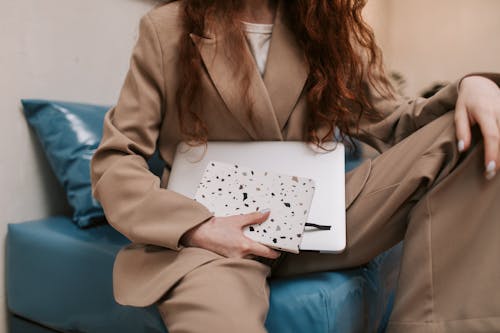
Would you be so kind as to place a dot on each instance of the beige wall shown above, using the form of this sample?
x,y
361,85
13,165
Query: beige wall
x,y
79,51
435,40
376,13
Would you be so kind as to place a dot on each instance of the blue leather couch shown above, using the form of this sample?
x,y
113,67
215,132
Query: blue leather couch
x,y
59,276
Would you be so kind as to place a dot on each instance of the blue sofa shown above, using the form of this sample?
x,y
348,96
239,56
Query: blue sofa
x,y
59,279
59,276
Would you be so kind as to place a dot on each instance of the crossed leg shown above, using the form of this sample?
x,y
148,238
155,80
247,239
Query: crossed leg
x,y
421,190
225,295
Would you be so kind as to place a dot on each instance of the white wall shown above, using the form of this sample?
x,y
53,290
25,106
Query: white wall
x,y
55,49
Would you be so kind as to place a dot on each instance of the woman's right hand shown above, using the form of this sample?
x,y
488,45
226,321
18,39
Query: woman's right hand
x,y
224,235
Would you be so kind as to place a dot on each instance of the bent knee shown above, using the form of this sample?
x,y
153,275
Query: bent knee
x,y
220,296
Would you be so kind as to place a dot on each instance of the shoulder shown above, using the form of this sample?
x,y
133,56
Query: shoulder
x,y
168,10
166,19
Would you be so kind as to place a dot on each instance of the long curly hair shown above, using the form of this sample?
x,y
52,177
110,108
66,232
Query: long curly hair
x,y
339,48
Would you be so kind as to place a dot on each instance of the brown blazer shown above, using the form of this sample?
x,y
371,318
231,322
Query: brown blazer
x,y
136,202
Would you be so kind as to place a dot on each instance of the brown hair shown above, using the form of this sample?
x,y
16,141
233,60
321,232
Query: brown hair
x,y
339,48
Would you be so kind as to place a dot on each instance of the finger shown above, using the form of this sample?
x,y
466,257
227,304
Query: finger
x,y
498,151
462,125
491,135
262,251
254,218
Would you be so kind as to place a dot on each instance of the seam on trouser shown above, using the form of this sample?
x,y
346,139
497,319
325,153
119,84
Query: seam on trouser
x,y
430,257
380,189
422,158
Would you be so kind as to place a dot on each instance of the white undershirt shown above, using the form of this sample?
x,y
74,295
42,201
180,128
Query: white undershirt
x,y
258,36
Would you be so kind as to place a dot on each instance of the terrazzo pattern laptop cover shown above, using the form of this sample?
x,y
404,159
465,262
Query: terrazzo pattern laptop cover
x,y
230,189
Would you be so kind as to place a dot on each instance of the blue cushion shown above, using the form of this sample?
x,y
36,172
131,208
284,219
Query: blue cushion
x,y
69,134
17,324
46,259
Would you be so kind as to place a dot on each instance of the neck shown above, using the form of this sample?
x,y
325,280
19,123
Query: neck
x,y
259,11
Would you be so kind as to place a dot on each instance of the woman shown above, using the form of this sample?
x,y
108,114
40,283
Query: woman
x,y
198,72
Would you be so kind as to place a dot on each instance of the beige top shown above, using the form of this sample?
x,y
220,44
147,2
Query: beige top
x,y
259,37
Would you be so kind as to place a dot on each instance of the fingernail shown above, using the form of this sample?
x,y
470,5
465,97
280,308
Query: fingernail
x,y
491,170
461,145
264,211
490,175
491,167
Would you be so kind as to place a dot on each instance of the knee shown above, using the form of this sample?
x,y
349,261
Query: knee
x,y
224,295
225,275
443,132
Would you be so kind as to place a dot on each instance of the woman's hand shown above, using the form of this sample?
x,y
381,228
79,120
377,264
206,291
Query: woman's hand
x,y
479,103
224,235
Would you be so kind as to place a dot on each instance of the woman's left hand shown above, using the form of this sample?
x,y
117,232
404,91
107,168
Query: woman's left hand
x,y
479,103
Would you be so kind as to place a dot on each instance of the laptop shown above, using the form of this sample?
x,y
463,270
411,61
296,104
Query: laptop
x,y
288,157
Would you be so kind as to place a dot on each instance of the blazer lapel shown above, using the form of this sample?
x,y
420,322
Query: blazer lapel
x,y
286,70
225,80
273,97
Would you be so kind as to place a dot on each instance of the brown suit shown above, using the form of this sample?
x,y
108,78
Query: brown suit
x,y
136,202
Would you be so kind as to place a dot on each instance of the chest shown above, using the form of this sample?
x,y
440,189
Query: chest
x,y
275,107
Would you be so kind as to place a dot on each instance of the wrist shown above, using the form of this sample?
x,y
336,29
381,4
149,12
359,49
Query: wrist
x,y
188,239
475,80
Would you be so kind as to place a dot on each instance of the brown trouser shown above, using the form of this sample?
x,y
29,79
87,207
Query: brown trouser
x,y
421,190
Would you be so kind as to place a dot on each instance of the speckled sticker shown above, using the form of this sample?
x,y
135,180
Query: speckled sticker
x,y
227,189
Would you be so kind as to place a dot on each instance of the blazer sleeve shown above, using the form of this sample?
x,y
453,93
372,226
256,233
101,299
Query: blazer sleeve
x,y
401,116
131,196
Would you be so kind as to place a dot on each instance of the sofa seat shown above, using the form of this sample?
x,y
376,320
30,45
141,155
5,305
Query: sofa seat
x,y
60,276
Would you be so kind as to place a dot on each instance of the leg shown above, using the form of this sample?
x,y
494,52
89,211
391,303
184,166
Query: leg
x,y
378,218
449,216
225,295
449,272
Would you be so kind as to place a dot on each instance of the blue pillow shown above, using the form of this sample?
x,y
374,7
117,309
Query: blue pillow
x,y
69,134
